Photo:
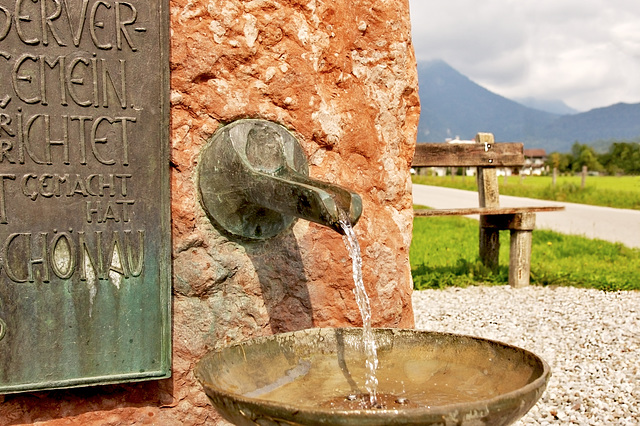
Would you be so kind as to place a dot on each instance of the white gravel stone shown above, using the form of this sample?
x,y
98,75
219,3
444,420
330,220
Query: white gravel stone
x,y
589,338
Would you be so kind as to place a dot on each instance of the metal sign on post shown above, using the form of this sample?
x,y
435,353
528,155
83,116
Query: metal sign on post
x,y
84,193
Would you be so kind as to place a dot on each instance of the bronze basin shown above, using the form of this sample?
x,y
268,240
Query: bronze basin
x,y
315,377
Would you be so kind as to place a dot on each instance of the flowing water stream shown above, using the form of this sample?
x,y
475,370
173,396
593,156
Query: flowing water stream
x,y
370,349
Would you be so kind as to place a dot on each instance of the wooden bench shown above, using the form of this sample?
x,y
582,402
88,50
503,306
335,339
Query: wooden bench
x,y
487,155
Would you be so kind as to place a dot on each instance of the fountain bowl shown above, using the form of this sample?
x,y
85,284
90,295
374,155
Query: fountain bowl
x,y
316,377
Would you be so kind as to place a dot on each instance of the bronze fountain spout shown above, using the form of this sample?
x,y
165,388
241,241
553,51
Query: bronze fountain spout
x,y
254,182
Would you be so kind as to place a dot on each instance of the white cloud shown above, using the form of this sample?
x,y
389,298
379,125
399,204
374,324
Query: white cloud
x,y
626,37
585,52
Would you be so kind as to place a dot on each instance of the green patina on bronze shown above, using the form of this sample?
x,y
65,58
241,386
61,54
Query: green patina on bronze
x,y
84,193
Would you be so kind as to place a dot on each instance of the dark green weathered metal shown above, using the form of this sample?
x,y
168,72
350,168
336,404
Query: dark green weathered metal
x,y
254,182
317,377
84,193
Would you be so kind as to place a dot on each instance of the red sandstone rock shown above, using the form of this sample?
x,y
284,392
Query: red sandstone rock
x,y
341,74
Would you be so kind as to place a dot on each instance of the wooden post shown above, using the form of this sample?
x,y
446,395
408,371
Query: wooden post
x,y
584,177
520,249
555,176
488,196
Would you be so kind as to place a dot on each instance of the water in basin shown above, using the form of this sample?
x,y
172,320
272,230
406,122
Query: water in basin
x,y
405,379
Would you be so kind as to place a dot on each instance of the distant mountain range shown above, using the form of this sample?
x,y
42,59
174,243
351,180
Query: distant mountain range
x,y
453,105
554,106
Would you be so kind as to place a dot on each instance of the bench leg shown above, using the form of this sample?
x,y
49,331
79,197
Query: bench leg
x,y
521,226
490,247
520,258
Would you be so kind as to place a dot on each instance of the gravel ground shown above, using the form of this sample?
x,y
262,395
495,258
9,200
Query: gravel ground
x,y
590,339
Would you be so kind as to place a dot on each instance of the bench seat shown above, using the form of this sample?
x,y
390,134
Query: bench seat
x,y
484,211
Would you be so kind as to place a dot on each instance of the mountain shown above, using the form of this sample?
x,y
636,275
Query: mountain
x,y
620,121
554,106
453,105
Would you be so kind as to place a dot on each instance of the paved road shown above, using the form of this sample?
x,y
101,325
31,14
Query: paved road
x,y
616,225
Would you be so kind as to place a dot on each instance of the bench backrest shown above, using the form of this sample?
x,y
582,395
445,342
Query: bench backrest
x,y
484,153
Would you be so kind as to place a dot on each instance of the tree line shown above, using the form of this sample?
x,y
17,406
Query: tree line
x,y
622,158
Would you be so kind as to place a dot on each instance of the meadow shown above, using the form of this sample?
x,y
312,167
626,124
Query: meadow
x,y
609,191
444,252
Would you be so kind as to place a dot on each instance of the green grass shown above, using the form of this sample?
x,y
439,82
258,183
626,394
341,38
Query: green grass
x,y
610,191
444,252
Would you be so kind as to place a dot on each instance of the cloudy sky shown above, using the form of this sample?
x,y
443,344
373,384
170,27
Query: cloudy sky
x,y
584,52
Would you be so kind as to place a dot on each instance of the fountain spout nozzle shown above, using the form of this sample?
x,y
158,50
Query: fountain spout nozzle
x,y
253,181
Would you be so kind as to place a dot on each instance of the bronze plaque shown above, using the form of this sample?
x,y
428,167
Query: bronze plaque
x,y
84,193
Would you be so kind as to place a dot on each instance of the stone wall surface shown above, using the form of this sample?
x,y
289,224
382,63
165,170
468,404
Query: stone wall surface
x,y
341,75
